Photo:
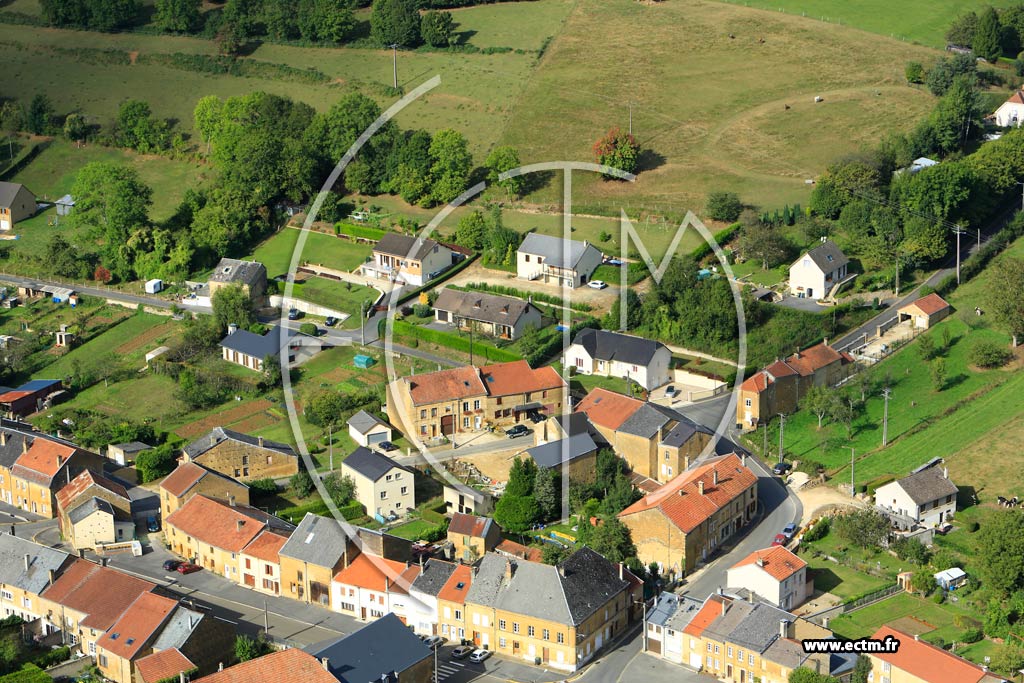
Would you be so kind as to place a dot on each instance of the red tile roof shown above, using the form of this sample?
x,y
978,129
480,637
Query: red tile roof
x,y
709,611
266,546
83,481
926,661
607,409
137,626
45,457
932,303
1017,97
525,552
756,383
468,525
517,377
218,524
162,665
284,666
777,561
809,361
446,385
11,396
102,593
451,591
372,573
185,476
681,500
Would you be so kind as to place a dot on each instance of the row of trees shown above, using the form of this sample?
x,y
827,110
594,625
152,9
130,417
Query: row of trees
x,y
398,22
487,234
990,33
102,15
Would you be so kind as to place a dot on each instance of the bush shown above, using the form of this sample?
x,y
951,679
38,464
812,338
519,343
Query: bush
x,y
809,466
971,635
421,310
54,656
604,236
265,486
910,549
972,527
724,206
818,531
308,328
453,341
989,354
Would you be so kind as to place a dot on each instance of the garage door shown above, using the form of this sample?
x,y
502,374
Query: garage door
x,y
447,424
377,438
5,224
442,316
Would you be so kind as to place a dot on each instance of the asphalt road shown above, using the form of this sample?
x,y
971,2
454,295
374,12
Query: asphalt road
x,y
101,292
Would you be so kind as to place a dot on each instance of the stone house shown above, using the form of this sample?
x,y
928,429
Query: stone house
x,y
472,537
241,456
191,479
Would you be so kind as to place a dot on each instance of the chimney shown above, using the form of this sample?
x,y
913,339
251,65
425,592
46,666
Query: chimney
x,y
784,628
324,664
28,561
510,569
750,596
259,439
220,666
760,561
231,500
714,477
825,342
945,473
700,486
743,459
103,562
81,553
621,573
724,606
916,637
53,576
476,569
24,445
239,523
3,438
58,462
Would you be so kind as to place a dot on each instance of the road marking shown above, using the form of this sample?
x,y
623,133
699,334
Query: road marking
x,y
225,620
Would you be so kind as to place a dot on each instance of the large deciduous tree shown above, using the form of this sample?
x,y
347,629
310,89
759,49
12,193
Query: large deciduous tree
x,y
504,158
395,22
1006,295
178,16
451,165
233,306
1000,558
437,28
617,149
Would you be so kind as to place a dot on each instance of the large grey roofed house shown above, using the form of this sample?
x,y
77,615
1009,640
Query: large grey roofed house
x,y
928,485
41,561
364,421
374,651
234,270
218,435
589,582
753,625
554,453
614,346
370,464
490,308
249,344
12,445
404,246
432,577
317,540
553,249
86,508
827,256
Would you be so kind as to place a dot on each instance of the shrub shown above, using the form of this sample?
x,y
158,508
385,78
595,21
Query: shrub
x,y
421,310
972,527
265,486
308,328
724,206
914,72
989,354
604,236
971,635
910,549
818,531
809,466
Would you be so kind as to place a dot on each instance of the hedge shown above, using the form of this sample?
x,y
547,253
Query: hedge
x,y
538,297
30,673
246,68
721,237
452,341
16,168
361,231
352,510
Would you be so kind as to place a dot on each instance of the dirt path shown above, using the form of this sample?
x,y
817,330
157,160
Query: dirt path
x,y
819,499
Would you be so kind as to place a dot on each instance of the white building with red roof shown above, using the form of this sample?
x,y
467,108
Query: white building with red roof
x,y
1011,112
775,575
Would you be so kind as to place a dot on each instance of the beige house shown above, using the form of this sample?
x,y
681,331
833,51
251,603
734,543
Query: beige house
x,y
472,537
315,552
918,661
26,570
408,260
190,479
926,498
820,272
250,276
383,487
1011,112
260,562
16,203
241,456
926,311
775,575
555,261
504,317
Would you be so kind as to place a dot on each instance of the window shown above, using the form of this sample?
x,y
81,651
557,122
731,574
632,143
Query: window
x,y
709,661
103,660
270,460
26,603
347,607
92,648
248,563
666,455
501,624
739,655
423,429
383,495
465,406
238,472
709,647
458,615
376,613
398,475
6,594
544,394
423,414
526,258
405,489
245,459
559,637
515,627
748,402
729,652
886,667
497,402
501,642
245,471
717,649
545,634
750,661
387,478
268,569
398,505
530,631
476,405
465,423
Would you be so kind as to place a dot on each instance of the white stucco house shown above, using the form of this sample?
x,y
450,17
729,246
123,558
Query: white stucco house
x,y
367,588
775,575
818,273
431,577
412,261
1011,112
613,354
556,261
926,498
384,487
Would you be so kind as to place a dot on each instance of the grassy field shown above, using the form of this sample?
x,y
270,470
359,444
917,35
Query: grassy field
x,y
842,581
276,252
413,530
923,21
711,108
933,621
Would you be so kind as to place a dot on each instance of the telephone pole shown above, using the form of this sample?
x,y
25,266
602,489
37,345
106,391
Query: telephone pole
x,y
853,487
886,393
630,117
394,62
959,231
782,431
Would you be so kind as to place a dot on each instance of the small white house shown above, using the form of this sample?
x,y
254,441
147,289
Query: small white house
x,y
412,261
775,574
951,579
363,590
818,273
555,261
368,430
1011,112
613,354
926,498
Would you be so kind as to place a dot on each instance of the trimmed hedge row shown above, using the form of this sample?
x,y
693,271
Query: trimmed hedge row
x,y
490,352
722,237
245,68
361,231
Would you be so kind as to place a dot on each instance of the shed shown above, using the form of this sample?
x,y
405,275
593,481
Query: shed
x,y
64,205
367,429
156,353
154,286
363,361
951,579
926,311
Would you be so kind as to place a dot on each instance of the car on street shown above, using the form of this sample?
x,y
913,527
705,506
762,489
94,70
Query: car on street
x,y
779,540
462,651
387,446
293,314
517,431
781,468
171,565
434,642
152,523
187,568
479,655
597,284
330,321
789,531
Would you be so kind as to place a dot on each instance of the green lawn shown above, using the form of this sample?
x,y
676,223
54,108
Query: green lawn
x,y
276,251
341,296
864,622
105,344
751,271
842,581
413,530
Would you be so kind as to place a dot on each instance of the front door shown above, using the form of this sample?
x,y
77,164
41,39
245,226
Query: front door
x,y
249,580
447,424
362,613
728,670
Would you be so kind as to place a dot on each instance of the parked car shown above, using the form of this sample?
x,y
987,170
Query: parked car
x,y
789,531
597,284
171,565
387,446
330,321
434,642
152,523
781,468
944,529
670,391
779,540
293,314
187,568
462,651
613,262
479,655
516,431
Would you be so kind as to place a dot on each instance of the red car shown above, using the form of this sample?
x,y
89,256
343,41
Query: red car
x,y
780,539
187,568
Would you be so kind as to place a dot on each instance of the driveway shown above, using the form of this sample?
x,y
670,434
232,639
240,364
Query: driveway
x,y
600,299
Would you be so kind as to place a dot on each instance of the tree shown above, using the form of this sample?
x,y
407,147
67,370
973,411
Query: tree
x,y
207,116
395,22
324,408
761,242
985,42
617,149
611,538
329,21
962,30
437,28
910,549
945,69
914,72
247,648
515,514
1008,659
989,354
301,484
1001,561
863,528
819,400
340,488
233,306
804,675
997,620
40,114
75,127
939,374
957,114
553,554
841,183
451,164
471,230
138,130
504,158
178,16
724,206
282,18
521,477
861,670
926,347
547,490
106,15
613,319
156,462
1006,295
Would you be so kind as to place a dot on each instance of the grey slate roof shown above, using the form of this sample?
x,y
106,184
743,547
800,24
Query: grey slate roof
x,y
589,582
552,249
42,560
827,256
364,421
13,447
86,508
753,626
624,348
433,576
551,454
133,446
218,435
490,308
320,541
8,191
684,614
379,648
404,246
257,346
665,605
370,464
573,423
927,485
241,272
177,629
788,653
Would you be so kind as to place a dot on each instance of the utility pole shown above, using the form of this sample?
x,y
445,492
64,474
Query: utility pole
x,y
266,618
764,450
853,487
362,323
886,393
959,231
1021,196
394,62
782,431
330,442
630,117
